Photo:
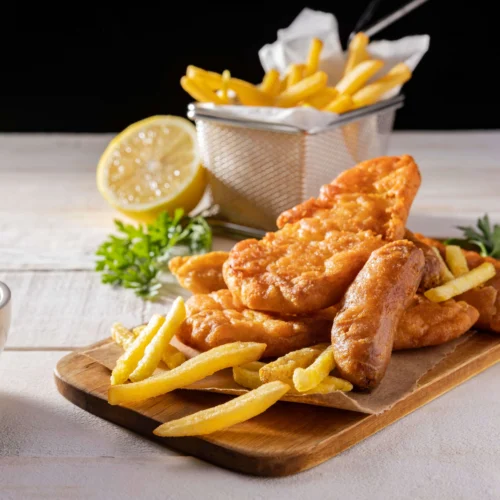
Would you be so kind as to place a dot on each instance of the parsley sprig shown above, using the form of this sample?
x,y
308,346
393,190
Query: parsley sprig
x,y
484,238
136,257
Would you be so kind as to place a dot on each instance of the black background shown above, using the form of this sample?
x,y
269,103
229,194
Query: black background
x,y
82,68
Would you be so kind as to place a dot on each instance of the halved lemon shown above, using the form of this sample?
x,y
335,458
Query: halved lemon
x,y
152,166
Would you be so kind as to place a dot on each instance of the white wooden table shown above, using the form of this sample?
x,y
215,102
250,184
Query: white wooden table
x,y
51,220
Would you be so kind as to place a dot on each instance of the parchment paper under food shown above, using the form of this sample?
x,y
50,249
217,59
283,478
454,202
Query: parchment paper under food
x,y
405,370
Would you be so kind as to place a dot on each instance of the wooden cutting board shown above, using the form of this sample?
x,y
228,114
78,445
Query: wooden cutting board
x,y
286,439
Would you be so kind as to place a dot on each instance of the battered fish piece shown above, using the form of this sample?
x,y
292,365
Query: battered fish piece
x,y
216,319
364,329
199,273
423,324
308,264
486,298
302,268
374,195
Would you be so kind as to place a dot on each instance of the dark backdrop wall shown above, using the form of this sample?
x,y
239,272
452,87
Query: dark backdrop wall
x,y
86,69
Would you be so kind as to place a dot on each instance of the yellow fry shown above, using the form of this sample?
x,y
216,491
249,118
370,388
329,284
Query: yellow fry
x,y
373,91
254,366
271,83
313,57
302,90
248,94
305,379
358,76
446,274
322,98
294,74
283,367
194,369
246,377
138,329
211,79
128,361
340,104
199,91
122,336
356,52
456,260
172,357
467,281
156,348
331,384
220,417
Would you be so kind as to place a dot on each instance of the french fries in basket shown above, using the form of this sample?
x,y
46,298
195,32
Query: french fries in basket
x,y
463,283
304,84
219,417
194,369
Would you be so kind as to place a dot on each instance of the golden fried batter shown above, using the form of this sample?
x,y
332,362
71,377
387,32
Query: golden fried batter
x,y
308,264
364,329
375,195
423,323
427,323
304,267
215,319
199,273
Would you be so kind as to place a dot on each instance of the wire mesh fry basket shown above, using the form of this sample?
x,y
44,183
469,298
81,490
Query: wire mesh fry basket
x,y
257,170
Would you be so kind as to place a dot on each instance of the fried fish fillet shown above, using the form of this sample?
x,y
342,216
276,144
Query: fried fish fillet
x,y
427,323
486,299
199,273
217,318
364,329
308,264
374,195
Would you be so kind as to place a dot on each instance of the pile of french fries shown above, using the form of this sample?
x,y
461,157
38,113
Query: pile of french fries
x,y
306,371
304,83
456,276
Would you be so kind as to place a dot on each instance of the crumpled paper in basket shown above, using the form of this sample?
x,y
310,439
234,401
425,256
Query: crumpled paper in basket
x,y
292,46
401,379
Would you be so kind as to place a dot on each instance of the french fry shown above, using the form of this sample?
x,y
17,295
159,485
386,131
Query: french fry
x,y
467,281
194,369
305,379
283,368
172,357
358,76
157,347
220,417
271,83
322,98
211,78
247,376
199,91
122,336
356,52
128,361
226,76
295,74
313,57
340,104
370,94
456,260
446,274
302,90
248,94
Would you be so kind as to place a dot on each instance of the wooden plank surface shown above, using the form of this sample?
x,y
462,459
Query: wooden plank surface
x,y
284,440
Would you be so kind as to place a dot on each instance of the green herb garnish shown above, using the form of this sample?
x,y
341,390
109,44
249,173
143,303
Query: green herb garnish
x,y
485,238
136,259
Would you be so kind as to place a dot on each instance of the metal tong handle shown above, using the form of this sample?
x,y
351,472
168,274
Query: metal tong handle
x,y
386,21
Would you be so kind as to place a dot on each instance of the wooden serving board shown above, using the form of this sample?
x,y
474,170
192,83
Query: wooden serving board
x,y
287,438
